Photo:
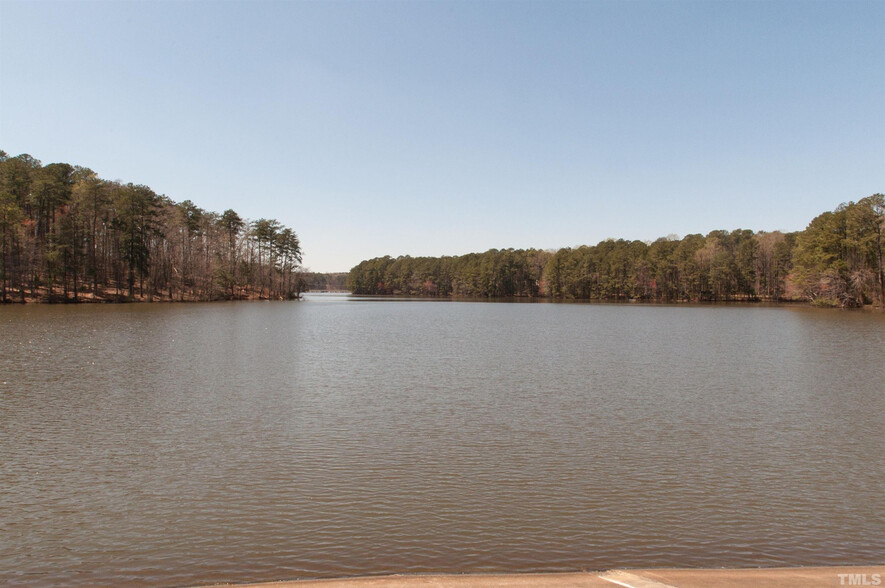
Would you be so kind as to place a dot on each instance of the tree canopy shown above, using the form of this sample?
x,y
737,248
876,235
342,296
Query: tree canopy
x,y
66,234
836,261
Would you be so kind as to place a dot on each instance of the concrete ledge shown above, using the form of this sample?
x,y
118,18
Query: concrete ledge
x,y
807,577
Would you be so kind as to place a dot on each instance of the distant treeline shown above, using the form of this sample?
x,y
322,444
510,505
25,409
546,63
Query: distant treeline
x,y
836,261
68,235
319,282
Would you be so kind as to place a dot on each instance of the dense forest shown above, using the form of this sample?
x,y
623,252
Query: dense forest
x,y
68,235
835,261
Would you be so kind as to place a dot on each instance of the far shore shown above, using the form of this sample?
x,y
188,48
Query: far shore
x,y
783,302
106,295
120,296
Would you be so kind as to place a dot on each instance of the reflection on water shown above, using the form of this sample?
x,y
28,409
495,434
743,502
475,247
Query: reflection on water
x,y
186,444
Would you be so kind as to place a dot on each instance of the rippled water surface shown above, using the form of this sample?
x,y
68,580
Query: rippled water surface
x,y
189,444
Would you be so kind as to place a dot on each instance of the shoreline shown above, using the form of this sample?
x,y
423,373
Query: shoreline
x,y
83,301
793,577
111,296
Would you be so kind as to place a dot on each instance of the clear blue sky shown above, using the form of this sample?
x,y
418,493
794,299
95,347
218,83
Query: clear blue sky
x,y
430,128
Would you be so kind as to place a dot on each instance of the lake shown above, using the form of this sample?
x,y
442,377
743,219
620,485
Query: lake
x,y
177,444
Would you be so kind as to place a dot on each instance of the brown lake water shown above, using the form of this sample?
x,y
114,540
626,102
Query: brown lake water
x,y
185,444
